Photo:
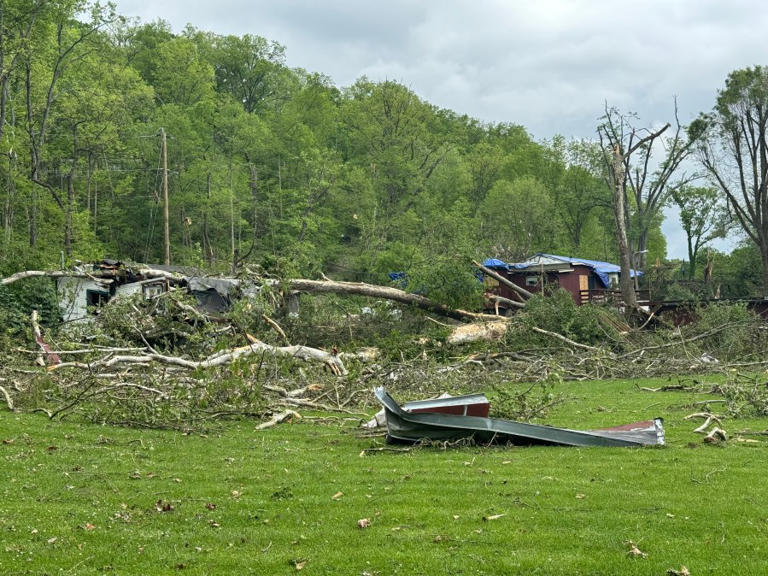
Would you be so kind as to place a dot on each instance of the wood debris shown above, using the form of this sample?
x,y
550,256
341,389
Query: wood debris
x,y
279,418
634,551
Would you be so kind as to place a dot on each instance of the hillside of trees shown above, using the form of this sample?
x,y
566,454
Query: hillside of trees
x,y
279,168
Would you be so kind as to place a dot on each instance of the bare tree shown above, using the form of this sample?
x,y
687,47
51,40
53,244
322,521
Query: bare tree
x,y
649,182
633,169
620,140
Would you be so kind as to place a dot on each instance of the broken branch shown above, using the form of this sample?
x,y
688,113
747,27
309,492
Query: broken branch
x,y
278,419
219,359
565,339
8,399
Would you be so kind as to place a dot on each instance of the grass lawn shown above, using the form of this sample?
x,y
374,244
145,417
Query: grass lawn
x,y
85,499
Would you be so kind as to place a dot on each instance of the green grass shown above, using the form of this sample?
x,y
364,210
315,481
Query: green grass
x,y
83,499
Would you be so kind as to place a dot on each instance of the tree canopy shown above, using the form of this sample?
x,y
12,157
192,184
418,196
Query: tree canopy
x,y
269,165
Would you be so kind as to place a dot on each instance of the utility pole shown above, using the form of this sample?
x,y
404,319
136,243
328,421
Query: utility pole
x,y
166,227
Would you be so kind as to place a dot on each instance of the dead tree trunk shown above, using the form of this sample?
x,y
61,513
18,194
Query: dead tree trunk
x,y
628,294
617,162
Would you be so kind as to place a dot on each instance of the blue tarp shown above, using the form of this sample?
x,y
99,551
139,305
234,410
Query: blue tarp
x,y
602,269
495,263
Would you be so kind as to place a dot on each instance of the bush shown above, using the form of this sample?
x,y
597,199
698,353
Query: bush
x,y
679,293
19,299
559,313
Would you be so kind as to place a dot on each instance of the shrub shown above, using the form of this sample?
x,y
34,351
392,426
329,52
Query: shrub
x,y
559,313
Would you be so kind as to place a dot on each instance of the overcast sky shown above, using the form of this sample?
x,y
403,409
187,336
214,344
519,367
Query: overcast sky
x,y
549,65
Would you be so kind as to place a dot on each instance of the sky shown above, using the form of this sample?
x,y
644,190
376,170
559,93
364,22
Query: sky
x,y
548,65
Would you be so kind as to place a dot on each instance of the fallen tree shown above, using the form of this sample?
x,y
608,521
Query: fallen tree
x,y
387,293
325,286
525,294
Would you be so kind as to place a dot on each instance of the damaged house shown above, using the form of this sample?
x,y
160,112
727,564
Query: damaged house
x,y
586,280
90,286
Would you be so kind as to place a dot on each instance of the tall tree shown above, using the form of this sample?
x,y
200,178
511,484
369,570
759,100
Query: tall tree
x,y
61,42
247,67
580,192
734,152
516,219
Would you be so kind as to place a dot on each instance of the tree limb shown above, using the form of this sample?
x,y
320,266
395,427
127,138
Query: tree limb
x,y
496,276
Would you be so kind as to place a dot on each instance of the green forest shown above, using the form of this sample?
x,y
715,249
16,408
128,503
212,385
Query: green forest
x,y
278,168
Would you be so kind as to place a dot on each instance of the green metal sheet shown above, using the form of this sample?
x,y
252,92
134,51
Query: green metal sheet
x,y
403,426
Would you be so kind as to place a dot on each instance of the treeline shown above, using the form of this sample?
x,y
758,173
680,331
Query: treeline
x,y
269,165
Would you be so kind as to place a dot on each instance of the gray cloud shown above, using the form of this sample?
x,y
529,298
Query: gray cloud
x,y
548,65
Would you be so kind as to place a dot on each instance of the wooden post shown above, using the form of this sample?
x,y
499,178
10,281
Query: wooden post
x,y
166,225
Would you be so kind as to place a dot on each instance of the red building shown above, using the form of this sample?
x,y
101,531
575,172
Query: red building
x,y
586,280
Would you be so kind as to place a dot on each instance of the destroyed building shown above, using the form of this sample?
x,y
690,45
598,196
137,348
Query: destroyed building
x,y
90,286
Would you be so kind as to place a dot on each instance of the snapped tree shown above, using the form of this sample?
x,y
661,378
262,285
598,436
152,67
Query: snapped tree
x,y
632,167
620,140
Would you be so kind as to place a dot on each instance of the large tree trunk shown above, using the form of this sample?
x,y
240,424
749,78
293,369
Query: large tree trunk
x,y
691,258
70,197
387,293
641,256
625,282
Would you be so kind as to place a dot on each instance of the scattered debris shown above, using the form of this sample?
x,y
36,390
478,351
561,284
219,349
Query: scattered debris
x,y
50,356
634,551
748,440
364,523
682,572
716,436
278,418
484,332
709,418
467,405
493,517
382,449
8,399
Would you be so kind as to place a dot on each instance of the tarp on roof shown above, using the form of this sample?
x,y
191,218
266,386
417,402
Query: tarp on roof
x,y
602,269
495,263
